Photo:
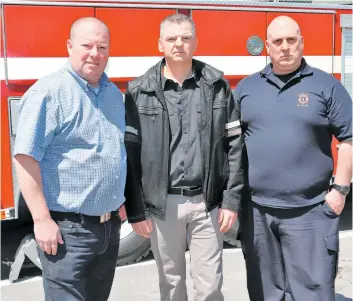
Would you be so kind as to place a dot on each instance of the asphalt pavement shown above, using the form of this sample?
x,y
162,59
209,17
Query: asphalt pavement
x,y
140,281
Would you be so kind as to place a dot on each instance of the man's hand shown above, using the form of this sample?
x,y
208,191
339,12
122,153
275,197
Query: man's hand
x,y
143,228
336,201
48,235
226,218
122,213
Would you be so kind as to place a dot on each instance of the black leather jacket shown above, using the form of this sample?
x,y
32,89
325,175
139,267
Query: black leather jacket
x,y
147,142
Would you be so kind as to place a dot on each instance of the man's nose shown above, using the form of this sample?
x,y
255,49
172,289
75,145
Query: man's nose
x,y
94,51
179,41
285,45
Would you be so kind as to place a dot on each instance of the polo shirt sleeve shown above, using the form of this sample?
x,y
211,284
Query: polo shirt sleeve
x,y
339,111
37,124
236,95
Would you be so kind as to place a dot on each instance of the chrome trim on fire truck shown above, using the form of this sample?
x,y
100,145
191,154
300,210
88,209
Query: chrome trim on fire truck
x,y
4,43
187,5
191,2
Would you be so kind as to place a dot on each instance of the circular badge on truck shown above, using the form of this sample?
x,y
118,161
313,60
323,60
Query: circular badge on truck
x,y
255,45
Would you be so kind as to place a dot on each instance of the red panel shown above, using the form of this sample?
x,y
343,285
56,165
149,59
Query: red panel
x,y
226,32
17,88
1,48
134,32
317,30
40,31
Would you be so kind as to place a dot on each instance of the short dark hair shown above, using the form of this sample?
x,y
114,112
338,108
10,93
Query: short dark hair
x,y
177,19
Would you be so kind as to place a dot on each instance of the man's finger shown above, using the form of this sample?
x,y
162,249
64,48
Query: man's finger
x,y
60,238
224,224
41,245
149,225
47,247
232,220
220,215
54,247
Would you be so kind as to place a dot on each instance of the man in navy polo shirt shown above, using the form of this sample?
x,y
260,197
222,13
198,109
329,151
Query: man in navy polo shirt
x,y
289,113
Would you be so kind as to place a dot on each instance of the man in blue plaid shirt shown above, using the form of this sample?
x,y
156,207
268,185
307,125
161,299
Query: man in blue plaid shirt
x,y
71,166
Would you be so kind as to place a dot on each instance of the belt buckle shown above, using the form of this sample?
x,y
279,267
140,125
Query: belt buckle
x,y
105,217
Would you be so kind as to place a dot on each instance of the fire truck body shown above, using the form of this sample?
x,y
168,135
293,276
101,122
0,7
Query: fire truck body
x,y
231,38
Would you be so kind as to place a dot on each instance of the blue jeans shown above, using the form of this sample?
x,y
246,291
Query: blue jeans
x,y
84,266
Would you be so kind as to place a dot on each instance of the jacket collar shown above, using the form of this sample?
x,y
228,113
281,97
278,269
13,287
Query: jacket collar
x,y
305,69
151,80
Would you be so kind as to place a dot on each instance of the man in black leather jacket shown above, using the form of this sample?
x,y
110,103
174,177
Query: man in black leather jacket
x,y
185,175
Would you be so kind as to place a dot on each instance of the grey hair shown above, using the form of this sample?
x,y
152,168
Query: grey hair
x,y
177,19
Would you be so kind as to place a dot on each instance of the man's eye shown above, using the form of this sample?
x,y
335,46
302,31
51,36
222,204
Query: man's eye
x,y
171,39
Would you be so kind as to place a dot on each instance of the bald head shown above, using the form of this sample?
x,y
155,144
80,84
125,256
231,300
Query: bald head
x,y
282,22
284,45
86,24
88,49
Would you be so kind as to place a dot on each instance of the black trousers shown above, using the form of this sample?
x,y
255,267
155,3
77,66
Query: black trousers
x,y
291,254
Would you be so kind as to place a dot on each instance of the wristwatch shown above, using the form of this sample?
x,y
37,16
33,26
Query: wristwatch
x,y
344,190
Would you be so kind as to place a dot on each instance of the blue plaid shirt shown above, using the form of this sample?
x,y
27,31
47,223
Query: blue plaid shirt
x,y
76,133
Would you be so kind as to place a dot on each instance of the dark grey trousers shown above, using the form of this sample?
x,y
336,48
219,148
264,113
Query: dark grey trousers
x,y
291,254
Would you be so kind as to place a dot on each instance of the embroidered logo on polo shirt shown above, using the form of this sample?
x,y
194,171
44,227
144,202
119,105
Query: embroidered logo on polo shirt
x,y
303,100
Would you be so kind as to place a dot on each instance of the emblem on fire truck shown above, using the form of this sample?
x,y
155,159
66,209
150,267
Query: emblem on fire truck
x,y
255,45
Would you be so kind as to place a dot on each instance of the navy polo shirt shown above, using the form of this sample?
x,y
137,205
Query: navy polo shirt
x,y
288,130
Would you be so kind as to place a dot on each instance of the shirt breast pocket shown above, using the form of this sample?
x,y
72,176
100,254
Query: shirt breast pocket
x,y
173,122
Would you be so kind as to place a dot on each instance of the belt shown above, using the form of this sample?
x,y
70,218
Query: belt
x,y
186,191
83,218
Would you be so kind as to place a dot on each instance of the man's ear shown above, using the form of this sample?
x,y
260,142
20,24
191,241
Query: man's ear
x,y
160,46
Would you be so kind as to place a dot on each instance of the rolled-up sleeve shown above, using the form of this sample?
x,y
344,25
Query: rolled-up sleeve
x,y
38,122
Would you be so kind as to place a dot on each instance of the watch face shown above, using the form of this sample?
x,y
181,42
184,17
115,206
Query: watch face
x,y
342,189
345,190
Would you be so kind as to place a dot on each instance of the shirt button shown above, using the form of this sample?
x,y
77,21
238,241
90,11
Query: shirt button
x,y
108,137
186,172
185,133
114,197
116,177
186,152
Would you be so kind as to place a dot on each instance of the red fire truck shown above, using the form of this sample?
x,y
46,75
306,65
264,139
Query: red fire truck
x,y
231,37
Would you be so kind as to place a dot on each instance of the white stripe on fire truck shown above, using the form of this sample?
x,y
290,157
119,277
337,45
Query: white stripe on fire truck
x,y
37,67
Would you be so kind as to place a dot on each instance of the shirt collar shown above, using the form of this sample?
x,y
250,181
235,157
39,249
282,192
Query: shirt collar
x,y
194,75
305,69
103,81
